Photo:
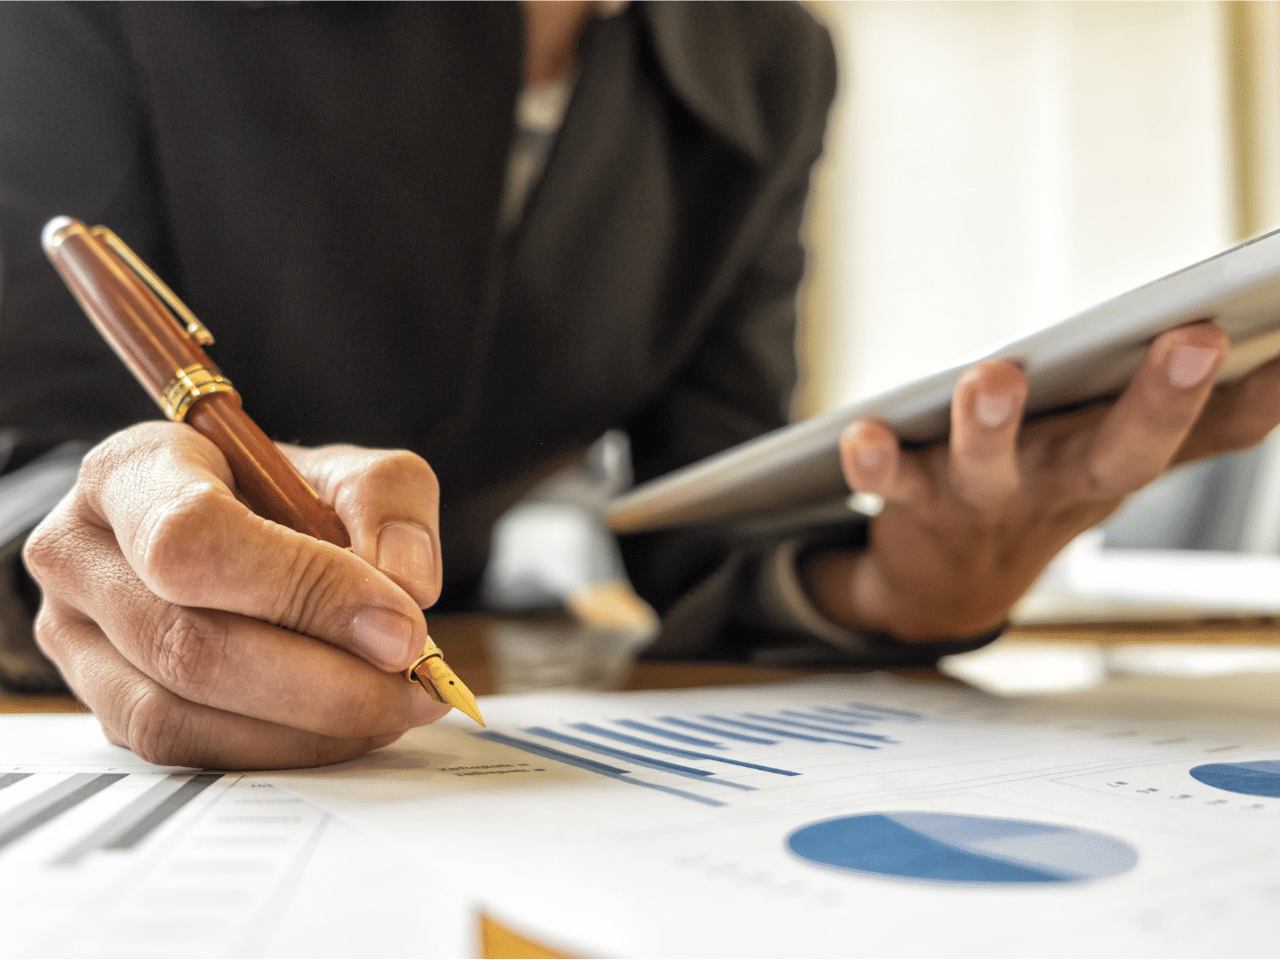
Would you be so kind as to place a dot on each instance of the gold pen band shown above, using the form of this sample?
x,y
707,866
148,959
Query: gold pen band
x,y
190,384
438,679
412,673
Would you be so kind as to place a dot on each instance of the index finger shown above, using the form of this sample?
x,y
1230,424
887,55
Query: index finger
x,y
389,502
162,491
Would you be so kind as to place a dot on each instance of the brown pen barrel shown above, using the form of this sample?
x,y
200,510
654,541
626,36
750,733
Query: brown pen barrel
x,y
128,315
267,480
151,342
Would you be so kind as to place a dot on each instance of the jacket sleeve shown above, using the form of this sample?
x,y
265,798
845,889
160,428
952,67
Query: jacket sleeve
x,y
70,143
729,592
738,384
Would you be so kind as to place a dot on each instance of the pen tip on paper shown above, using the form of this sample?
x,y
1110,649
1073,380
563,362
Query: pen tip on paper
x,y
455,693
439,680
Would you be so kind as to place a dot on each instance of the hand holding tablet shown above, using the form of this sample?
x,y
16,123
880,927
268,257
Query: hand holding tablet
x,y
988,469
1085,358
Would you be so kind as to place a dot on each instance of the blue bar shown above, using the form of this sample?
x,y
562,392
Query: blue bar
x,y
660,765
613,773
719,733
820,729
669,734
787,733
848,721
791,734
616,753
853,714
674,751
765,718
873,707
552,754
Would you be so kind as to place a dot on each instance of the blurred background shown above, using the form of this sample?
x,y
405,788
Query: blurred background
x,y
992,167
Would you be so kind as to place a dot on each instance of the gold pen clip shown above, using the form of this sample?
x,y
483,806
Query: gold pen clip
x,y
196,330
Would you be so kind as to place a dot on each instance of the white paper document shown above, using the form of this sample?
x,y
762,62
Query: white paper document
x,y
103,855
864,816
861,816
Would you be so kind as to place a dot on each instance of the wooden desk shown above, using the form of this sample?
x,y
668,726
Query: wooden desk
x,y
463,638
1253,630
464,641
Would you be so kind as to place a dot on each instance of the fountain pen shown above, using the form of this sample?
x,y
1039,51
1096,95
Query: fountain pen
x,y
159,340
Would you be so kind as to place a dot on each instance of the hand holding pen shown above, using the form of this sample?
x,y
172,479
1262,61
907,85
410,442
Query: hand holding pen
x,y
190,624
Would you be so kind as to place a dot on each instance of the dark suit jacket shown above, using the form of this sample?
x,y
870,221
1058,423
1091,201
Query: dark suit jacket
x,y
321,182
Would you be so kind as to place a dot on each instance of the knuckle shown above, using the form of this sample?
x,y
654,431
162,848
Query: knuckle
x,y
120,448
404,467
314,587
52,633
100,460
189,652
160,730
45,548
177,538
56,540
406,463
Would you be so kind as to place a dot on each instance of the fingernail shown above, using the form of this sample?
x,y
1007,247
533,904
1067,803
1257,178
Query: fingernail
x,y
405,554
425,710
386,636
870,455
992,410
1190,365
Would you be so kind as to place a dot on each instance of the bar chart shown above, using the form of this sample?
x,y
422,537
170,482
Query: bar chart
x,y
151,864
730,751
876,816
124,830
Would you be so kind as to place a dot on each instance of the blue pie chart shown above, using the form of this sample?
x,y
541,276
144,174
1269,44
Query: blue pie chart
x,y
1260,778
962,849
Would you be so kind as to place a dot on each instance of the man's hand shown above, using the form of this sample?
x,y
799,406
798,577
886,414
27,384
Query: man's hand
x,y
968,525
203,635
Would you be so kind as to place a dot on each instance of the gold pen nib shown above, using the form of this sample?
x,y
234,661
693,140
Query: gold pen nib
x,y
439,680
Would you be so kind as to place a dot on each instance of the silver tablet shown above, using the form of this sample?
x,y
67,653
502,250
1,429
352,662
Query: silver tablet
x,y
1087,357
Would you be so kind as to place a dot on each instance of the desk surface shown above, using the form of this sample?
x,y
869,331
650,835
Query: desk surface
x,y
464,640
